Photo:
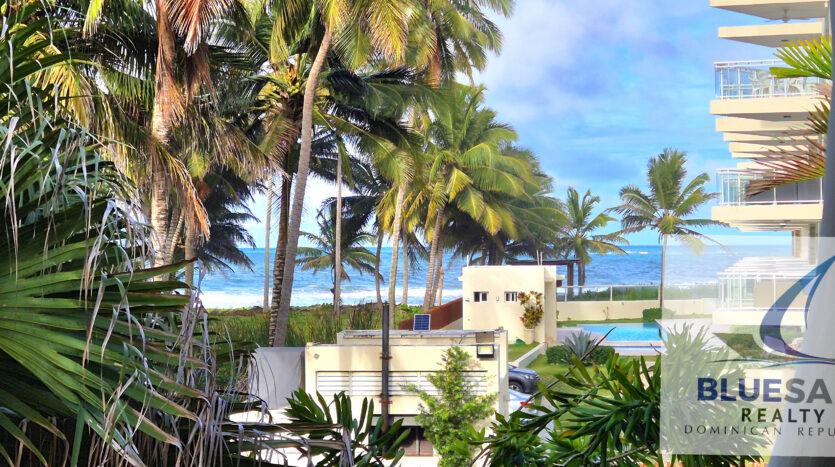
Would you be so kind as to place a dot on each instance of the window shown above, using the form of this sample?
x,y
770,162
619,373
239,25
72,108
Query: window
x,y
416,443
511,296
479,296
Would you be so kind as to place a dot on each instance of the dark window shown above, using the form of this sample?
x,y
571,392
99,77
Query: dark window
x,y
479,296
511,296
416,443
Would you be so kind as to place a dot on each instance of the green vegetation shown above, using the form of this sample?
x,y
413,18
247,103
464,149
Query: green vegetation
x,y
578,345
314,323
652,314
519,348
598,415
447,417
134,138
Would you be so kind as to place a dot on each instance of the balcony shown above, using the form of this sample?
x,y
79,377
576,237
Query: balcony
x,y
733,190
753,79
793,206
773,35
775,9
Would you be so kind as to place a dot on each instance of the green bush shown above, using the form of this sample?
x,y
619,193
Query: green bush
x,y
652,314
558,354
563,354
601,354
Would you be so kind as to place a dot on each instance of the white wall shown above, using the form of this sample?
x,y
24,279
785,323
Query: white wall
x,y
496,313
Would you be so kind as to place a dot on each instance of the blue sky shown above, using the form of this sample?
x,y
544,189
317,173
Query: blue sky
x,y
595,88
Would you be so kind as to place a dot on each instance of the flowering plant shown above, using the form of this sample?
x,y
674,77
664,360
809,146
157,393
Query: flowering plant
x,y
532,303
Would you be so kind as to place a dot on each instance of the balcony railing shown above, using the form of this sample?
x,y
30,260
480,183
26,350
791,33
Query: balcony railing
x,y
743,80
625,293
733,190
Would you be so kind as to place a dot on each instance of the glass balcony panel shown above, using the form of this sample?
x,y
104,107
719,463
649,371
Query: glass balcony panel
x,y
733,183
753,79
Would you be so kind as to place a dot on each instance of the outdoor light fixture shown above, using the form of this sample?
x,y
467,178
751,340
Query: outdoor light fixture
x,y
485,351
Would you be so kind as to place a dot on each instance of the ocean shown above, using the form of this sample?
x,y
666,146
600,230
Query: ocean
x,y
641,265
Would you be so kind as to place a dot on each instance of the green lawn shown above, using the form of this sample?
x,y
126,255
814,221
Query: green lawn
x,y
518,349
549,373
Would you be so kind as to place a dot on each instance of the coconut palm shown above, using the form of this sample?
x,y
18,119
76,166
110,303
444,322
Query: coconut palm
x,y
321,256
577,237
467,167
378,29
536,217
668,206
449,37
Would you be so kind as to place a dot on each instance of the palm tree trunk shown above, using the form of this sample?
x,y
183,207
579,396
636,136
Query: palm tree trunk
x,y
581,273
188,251
663,272
166,104
265,307
388,317
405,300
173,236
433,252
441,289
337,252
159,212
301,183
280,252
377,268
436,280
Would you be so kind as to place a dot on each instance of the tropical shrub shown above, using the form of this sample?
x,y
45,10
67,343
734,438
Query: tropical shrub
x,y
532,304
558,354
362,441
579,343
565,354
580,424
652,314
447,417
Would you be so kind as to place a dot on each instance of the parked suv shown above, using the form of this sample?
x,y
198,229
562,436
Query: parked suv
x,y
522,379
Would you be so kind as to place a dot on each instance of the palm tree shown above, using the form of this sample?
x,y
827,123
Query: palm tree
x,y
383,22
576,236
466,167
322,255
448,37
668,205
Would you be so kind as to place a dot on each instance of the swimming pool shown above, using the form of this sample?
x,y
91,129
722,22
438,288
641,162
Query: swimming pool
x,y
626,331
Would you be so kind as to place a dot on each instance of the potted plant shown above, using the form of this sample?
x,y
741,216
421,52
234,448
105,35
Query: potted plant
x,y
532,304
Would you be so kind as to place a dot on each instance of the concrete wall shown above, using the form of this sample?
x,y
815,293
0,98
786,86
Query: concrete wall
x,y
631,309
414,355
496,313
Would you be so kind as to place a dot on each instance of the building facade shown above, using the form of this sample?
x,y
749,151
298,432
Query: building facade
x,y
765,121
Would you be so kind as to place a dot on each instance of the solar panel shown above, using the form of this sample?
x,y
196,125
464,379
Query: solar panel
x,y
422,322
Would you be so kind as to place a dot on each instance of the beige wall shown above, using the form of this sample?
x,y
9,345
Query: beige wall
x,y
496,313
631,309
414,356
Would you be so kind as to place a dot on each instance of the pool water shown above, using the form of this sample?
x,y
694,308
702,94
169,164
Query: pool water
x,y
626,331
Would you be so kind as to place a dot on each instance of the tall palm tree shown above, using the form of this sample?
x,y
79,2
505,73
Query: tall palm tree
x,y
668,205
383,23
576,236
466,166
322,255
